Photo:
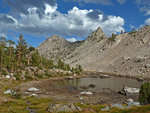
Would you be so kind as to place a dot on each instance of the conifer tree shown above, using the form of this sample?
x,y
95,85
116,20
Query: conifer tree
x,y
21,52
2,52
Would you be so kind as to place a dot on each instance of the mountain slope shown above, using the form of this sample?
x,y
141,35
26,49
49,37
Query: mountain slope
x,y
129,54
126,54
56,47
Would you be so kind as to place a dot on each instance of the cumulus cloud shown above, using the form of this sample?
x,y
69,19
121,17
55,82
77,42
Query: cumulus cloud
x,y
144,6
3,35
147,21
72,39
21,6
76,22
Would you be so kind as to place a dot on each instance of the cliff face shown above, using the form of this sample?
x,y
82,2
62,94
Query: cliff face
x,y
126,54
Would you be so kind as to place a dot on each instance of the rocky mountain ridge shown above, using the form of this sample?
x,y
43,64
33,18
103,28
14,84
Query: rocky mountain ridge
x,y
125,54
57,48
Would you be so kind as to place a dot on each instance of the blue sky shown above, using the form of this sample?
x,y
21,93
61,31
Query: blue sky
x,y
71,19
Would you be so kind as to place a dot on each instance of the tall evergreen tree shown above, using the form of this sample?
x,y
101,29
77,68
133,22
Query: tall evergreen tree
x,y
21,52
2,51
11,54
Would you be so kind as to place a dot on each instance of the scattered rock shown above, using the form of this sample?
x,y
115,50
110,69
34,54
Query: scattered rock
x,y
81,98
120,106
140,79
7,92
104,76
64,109
129,91
5,100
147,66
86,93
75,75
55,108
70,77
33,95
101,101
133,104
11,92
92,85
84,87
33,89
78,108
105,109
7,77
130,100
31,110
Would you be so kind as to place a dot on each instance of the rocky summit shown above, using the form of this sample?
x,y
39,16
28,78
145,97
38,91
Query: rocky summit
x,y
124,54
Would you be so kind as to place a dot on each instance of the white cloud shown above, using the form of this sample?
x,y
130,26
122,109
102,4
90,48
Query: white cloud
x,y
75,22
144,6
131,26
3,35
50,9
147,21
148,12
72,39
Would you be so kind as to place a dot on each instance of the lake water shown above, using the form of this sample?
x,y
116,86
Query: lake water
x,y
102,84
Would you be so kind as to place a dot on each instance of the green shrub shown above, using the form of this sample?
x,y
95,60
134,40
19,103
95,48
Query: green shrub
x,y
4,72
144,94
17,76
27,77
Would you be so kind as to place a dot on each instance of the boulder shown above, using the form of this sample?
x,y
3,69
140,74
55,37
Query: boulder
x,y
7,77
133,104
11,92
104,76
129,91
33,89
92,85
34,95
130,100
147,66
140,79
120,106
86,93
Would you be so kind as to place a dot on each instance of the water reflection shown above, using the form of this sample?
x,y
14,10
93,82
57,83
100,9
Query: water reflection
x,y
102,84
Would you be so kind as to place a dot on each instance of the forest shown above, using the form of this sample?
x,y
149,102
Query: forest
x,y
16,57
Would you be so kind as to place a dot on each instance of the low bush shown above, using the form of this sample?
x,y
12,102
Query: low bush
x,y
144,94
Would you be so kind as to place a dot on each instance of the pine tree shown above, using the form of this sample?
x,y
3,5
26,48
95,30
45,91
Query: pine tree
x,y
21,52
11,55
2,52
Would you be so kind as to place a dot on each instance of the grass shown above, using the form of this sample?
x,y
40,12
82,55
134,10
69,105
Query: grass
x,y
40,104
20,105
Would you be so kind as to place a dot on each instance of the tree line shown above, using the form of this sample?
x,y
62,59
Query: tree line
x,y
15,57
